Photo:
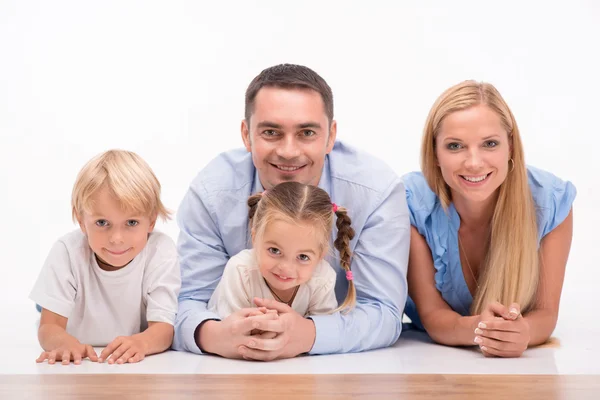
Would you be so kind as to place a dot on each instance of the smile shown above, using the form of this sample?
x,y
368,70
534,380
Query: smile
x,y
117,253
288,168
475,179
283,278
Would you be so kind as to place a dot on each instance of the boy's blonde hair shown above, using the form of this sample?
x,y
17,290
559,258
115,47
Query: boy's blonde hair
x,y
128,177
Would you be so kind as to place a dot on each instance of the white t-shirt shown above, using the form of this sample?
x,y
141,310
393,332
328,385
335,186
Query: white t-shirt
x,y
101,305
242,281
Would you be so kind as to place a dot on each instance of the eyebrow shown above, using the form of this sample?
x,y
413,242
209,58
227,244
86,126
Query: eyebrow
x,y
269,124
274,243
459,140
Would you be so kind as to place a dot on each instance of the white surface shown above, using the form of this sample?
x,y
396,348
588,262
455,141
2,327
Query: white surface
x,y
167,79
414,353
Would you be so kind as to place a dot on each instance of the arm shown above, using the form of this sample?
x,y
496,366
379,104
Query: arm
x,y
57,343
509,338
379,266
443,324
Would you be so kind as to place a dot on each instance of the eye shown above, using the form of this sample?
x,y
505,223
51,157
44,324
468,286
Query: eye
x,y
102,223
454,146
132,222
491,143
270,133
274,250
308,133
303,257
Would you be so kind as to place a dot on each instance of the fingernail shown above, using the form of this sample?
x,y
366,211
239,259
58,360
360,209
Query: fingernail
x,y
482,325
514,311
478,331
483,348
99,360
478,339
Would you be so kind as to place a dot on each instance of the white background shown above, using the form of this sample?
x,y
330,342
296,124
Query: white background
x,y
167,80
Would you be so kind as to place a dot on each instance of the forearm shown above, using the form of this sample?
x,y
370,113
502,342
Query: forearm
x,y
157,338
450,328
541,325
190,315
52,337
369,326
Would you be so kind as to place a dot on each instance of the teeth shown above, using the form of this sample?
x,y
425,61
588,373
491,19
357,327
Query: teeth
x,y
475,178
287,168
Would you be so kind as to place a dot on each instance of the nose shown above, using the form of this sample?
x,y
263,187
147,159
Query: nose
x,y
288,148
474,160
286,268
116,237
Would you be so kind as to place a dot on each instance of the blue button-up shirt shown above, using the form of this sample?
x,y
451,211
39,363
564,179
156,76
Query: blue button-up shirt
x,y
213,222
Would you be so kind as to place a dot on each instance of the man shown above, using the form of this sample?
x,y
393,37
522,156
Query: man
x,y
290,134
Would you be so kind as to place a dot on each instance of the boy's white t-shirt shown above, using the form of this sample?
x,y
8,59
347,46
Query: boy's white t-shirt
x,y
101,305
242,281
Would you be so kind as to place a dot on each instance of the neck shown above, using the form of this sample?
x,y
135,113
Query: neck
x,y
475,215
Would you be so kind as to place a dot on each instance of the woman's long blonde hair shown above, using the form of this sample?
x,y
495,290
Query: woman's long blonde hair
x,y
510,270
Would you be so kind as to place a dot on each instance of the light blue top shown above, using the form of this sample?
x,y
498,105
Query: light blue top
x,y
213,220
553,199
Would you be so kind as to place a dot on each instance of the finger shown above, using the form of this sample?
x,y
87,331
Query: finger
x,y
43,357
272,304
256,355
498,309
66,357
500,325
108,350
77,358
265,325
266,335
271,344
91,353
503,336
246,325
491,352
249,311
118,353
136,358
494,346
52,357
514,311
126,356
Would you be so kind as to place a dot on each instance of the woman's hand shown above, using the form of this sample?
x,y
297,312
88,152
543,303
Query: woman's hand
x,y
502,332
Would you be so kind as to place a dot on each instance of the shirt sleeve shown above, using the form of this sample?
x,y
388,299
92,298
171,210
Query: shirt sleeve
x,y
323,300
202,258
231,293
55,288
379,268
162,281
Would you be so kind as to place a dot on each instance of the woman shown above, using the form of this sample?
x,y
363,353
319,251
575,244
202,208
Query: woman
x,y
490,236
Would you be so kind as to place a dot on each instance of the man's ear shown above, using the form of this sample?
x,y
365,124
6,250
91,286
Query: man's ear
x,y
245,130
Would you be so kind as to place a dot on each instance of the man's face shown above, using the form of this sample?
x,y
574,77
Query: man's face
x,y
289,136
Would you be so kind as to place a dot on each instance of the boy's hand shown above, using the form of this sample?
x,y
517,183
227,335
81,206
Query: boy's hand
x,y
124,349
71,352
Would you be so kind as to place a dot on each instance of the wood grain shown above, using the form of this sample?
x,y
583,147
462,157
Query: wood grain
x,y
376,386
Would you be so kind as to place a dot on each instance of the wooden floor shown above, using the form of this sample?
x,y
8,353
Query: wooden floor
x,y
376,386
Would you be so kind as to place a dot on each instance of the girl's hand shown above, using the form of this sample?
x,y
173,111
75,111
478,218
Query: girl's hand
x,y
124,349
502,332
74,351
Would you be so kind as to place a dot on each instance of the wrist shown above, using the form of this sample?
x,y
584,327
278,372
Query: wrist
x,y
204,334
310,335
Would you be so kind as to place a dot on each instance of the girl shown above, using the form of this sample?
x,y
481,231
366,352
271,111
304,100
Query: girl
x,y
490,236
290,226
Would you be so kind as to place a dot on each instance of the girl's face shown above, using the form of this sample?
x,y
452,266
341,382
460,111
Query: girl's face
x,y
473,152
288,254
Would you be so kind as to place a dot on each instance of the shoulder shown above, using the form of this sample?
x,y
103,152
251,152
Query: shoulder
x,y
423,204
324,275
351,166
73,245
553,198
229,171
159,250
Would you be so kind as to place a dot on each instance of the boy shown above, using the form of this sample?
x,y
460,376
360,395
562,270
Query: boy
x,y
113,282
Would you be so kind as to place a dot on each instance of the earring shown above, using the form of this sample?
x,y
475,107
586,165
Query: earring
x,y
513,165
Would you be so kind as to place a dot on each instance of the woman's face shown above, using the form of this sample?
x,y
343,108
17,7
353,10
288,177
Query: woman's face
x,y
473,152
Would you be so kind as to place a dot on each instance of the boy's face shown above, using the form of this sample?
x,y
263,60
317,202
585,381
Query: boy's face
x,y
114,234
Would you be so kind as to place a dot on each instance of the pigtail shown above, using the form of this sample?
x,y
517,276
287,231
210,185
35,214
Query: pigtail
x,y
253,204
342,245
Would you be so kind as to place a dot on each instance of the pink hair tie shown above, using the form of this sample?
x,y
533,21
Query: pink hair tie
x,y
335,207
349,275
264,192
